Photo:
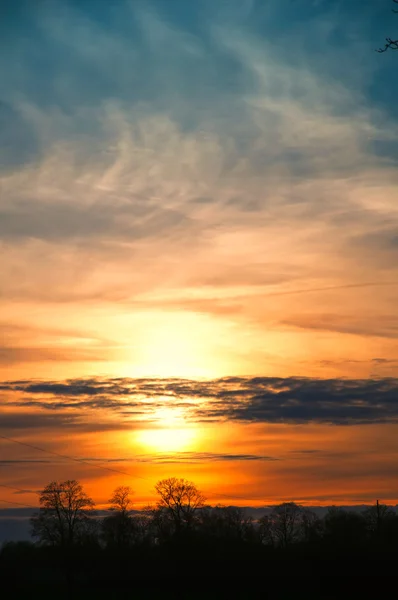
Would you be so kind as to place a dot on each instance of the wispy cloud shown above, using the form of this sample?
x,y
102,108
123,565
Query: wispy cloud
x,y
190,163
187,458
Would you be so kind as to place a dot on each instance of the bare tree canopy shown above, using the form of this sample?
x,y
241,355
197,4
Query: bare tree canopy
x,y
121,499
179,499
288,523
390,44
118,528
227,522
64,513
378,516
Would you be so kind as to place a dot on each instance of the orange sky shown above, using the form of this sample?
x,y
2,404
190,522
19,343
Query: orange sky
x,y
211,207
124,435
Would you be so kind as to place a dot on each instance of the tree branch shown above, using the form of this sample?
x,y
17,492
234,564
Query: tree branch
x,y
390,44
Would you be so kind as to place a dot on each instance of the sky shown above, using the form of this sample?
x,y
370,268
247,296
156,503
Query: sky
x,y
199,248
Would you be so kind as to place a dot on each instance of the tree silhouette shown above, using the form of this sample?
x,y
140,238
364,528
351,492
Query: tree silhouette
x,y
343,528
121,499
227,523
142,529
311,526
117,529
193,540
283,525
64,515
390,43
179,502
381,522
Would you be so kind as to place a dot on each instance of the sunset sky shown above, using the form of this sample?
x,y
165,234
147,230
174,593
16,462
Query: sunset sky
x,y
199,248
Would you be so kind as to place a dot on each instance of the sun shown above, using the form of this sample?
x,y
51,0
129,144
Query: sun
x,y
167,440
170,432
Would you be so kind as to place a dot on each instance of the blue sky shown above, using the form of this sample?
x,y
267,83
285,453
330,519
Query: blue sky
x,y
187,59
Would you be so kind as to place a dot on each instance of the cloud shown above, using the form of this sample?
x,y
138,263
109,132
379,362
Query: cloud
x,y
187,161
121,172
248,400
187,457
13,355
24,342
61,420
365,325
11,462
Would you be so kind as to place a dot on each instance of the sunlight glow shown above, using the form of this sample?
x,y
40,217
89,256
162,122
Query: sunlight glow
x,y
174,345
167,440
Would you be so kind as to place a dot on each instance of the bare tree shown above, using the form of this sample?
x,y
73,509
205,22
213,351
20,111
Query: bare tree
x,y
226,522
121,499
344,528
64,515
117,528
265,530
283,525
311,526
377,517
142,529
161,523
390,44
179,501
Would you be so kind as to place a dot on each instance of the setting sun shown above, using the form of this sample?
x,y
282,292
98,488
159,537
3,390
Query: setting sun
x,y
171,435
167,440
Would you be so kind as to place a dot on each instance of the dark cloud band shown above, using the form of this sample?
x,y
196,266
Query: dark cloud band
x,y
255,400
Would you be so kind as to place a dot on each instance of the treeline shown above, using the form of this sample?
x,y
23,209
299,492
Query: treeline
x,y
182,537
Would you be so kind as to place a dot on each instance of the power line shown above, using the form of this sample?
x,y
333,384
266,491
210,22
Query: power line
x,y
81,460
91,464
332,287
12,487
19,504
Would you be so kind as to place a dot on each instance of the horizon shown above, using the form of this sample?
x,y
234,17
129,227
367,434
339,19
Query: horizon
x,y
16,527
199,240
